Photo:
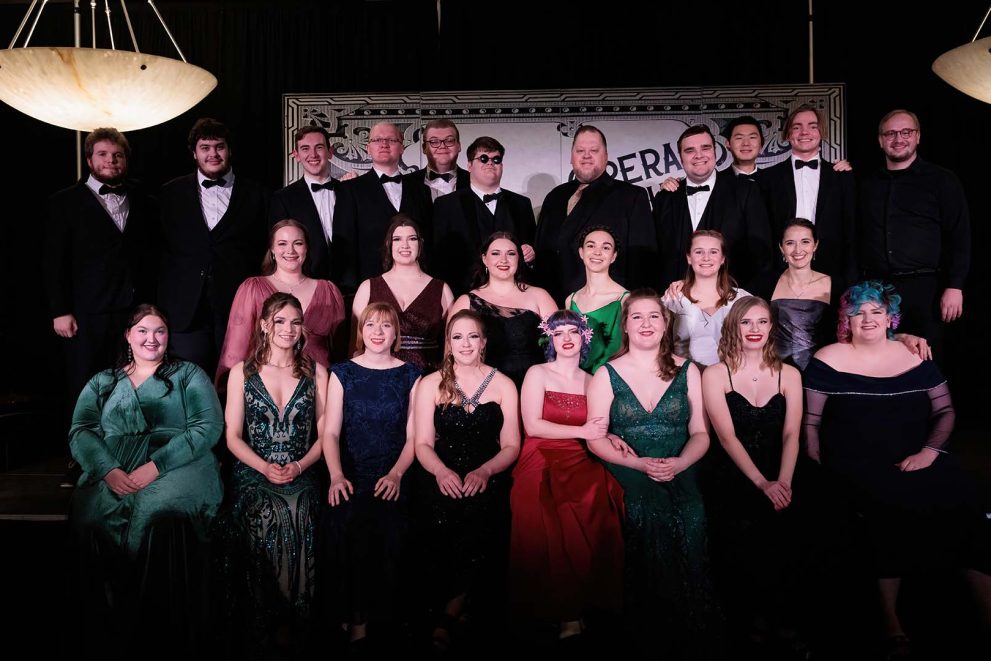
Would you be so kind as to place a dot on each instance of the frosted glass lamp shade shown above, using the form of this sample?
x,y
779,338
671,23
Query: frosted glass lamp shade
x,y
968,68
86,88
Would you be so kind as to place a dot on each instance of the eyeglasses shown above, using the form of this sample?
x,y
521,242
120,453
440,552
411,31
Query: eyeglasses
x,y
449,141
384,141
485,158
905,133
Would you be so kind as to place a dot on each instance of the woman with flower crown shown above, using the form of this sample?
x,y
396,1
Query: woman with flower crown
x,y
566,553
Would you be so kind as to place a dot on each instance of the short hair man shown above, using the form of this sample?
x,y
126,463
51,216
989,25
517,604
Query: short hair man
x,y
366,205
744,139
593,197
716,201
100,257
215,227
465,218
915,230
311,198
441,144
808,186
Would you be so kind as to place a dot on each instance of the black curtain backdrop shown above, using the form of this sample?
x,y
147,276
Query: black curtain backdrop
x,y
259,50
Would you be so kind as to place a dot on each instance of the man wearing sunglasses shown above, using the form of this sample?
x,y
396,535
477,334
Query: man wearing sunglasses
x,y
464,219
441,143
915,230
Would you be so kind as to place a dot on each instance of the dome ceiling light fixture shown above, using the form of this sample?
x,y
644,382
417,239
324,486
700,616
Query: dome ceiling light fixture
x,y
86,88
968,67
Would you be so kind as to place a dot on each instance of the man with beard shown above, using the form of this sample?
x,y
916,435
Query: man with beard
x,y
311,199
915,230
594,198
100,257
215,228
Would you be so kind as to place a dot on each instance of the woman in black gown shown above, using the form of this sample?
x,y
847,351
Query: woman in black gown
x,y
511,309
467,433
879,420
368,446
754,402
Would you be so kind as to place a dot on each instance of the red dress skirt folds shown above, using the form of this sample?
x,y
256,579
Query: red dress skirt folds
x,y
566,552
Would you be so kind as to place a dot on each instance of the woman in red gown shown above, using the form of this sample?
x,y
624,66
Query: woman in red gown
x,y
567,545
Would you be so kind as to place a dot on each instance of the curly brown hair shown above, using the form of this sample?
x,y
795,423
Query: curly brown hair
x,y
730,342
666,368
446,388
260,350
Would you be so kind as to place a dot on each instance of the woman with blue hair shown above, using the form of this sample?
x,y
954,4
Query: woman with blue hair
x,y
878,419
566,544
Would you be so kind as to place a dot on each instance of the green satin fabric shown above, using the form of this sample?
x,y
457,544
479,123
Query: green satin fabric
x,y
118,426
607,333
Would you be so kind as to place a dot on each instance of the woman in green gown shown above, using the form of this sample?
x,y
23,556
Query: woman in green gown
x,y
150,487
599,301
652,400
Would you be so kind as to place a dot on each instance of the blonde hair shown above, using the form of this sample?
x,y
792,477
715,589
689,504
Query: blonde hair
x,y
446,388
730,342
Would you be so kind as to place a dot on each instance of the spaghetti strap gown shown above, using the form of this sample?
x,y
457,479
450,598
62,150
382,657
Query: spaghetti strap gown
x,y
566,555
668,592
421,324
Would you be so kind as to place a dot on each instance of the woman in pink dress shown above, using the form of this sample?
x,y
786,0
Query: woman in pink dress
x,y
567,545
284,268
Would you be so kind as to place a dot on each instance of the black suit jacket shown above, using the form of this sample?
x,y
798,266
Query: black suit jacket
x,y
462,222
198,261
296,201
427,200
91,267
835,221
616,204
735,209
361,217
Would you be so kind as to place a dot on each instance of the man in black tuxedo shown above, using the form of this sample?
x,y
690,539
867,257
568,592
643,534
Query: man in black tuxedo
x,y
593,198
366,205
311,199
465,218
100,257
707,199
744,139
808,186
441,144
215,228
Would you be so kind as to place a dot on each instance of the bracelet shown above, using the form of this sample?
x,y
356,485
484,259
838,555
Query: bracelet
x,y
929,447
299,468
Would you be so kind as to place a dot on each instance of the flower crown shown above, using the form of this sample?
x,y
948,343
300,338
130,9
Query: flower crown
x,y
584,331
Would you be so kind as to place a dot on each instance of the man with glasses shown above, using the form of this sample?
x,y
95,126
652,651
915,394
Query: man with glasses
x,y
915,230
366,205
441,144
593,197
808,186
465,218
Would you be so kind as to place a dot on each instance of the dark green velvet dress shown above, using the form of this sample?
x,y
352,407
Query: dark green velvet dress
x,y
116,425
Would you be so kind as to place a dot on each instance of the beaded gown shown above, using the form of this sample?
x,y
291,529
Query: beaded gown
x,y
271,526
421,324
512,337
667,586
364,537
607,334
465,539
566,553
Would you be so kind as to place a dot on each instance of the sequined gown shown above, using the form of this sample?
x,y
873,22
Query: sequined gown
x,y
607,334
270,527
421,324
668,594
465,540
364,537
566,553
513,337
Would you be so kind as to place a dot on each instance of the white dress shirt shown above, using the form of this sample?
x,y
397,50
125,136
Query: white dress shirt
x,y
393,190
806,190
116,206
324,200
698,201
215,200
491,204
438,187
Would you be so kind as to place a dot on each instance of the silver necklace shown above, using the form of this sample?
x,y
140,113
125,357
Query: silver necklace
x,y
292,288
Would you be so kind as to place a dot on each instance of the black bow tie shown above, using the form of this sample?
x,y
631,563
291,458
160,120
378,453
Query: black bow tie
x,y
446,176
385,179
691,190
114,190
210,183
814,164
330,185
491,197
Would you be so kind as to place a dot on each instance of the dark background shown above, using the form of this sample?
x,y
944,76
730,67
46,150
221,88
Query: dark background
x,y
259,50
